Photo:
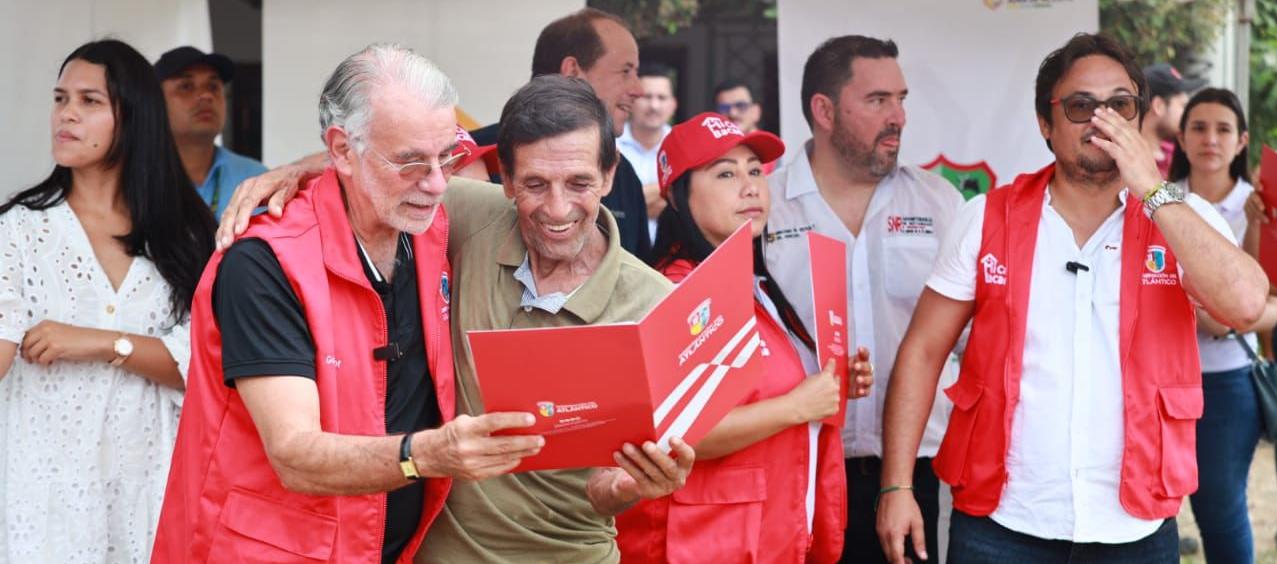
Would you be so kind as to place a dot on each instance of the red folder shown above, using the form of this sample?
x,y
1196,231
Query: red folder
x,y
829,297
1268,232
675,373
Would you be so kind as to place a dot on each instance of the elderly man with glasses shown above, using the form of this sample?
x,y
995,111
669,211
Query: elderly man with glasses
x,y
319,417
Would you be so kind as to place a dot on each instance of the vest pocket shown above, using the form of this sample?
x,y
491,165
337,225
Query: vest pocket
x,y
1181,407
255,529
718,517
951,461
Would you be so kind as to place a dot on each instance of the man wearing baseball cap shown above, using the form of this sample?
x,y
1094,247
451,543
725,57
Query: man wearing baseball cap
x,y
194,85
1168,91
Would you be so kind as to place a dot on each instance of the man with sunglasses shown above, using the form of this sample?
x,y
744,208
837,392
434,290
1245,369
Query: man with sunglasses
x,y
734,99
1073,430
318,422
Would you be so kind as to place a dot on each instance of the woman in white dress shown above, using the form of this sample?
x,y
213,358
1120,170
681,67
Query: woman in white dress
x,y
98,264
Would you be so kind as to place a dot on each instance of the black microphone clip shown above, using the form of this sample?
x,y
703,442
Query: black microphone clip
x,y
1073,266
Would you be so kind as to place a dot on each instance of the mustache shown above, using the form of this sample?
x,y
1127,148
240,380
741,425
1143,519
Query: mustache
x,y
890,131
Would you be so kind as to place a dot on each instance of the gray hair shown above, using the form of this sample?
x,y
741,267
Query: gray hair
x,y
347,96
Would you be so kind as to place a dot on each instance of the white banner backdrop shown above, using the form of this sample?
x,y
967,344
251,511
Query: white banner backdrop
x,y
970,66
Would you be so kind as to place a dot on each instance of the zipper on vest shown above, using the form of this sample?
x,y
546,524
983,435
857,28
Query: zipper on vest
x,y
385,391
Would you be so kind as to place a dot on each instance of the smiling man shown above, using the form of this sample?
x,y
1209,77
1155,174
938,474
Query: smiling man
x,y
318,421
194,85
597,47
1073,430
544,252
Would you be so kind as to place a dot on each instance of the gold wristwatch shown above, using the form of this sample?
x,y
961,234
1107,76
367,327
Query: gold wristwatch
x,y
123,347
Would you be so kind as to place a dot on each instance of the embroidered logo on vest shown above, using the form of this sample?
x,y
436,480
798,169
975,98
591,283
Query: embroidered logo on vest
x,y
1155,265
332,361
994,272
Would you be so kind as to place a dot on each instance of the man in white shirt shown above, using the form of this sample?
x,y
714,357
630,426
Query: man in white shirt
x,y
1073,430
647,127
846,183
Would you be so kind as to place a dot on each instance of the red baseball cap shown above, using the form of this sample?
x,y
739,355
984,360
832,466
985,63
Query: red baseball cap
x,y
706,137
466,143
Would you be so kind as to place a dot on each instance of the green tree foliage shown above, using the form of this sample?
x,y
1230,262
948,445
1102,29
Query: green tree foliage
x,y
1172,31
1263,77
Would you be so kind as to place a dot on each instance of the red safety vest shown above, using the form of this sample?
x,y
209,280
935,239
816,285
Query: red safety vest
x,y
1161,377
749,506
224,502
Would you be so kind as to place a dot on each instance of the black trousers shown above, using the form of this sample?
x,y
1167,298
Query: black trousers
x,y
864,476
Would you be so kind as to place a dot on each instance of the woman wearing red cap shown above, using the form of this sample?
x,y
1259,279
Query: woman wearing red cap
x,y
768,484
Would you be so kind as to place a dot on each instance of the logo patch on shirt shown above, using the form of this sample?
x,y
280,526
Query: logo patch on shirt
x,y
1156,262
911,224
994,272
445,293
663,166
332,361
788,233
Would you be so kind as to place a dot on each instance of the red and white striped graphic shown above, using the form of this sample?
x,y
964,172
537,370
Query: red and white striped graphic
x,y
744,344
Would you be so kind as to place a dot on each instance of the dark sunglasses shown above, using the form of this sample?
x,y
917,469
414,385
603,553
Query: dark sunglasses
x,y
738,106
1079,108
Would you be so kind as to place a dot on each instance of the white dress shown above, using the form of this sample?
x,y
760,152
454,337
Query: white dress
x,y
84,446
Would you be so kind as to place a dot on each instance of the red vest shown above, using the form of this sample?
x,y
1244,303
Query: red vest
x,y
1161,377
224,502
749,506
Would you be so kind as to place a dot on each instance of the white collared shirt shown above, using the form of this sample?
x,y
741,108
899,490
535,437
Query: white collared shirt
x,y
1221,354
1067,434
644,161
888,263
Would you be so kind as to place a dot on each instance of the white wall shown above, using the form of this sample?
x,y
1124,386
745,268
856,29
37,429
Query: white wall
x,y
484,46
34,39
970,69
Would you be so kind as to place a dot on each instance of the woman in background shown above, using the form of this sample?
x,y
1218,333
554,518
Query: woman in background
x,y
1210,161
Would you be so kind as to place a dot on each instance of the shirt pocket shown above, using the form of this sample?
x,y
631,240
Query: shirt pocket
x,y
907,262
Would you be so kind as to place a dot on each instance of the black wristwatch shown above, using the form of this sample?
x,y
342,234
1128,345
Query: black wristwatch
x,y
406,464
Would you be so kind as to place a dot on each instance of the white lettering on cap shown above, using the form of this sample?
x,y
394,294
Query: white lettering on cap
x,y
720,127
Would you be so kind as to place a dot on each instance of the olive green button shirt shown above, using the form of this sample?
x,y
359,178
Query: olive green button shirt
x,y
541,516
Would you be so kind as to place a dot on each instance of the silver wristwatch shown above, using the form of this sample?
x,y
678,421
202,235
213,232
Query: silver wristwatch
x,y
1164,193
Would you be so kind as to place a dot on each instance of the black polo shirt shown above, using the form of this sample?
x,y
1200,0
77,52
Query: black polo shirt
x,y
625,201
264,333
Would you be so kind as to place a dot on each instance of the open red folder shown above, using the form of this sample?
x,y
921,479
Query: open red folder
x,y
675,373
829,303
1268,233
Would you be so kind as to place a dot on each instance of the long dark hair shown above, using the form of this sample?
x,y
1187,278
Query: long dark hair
x,y
678,237
171,226
1180,167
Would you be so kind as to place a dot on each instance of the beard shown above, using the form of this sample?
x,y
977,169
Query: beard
x,y
1096,170
861,155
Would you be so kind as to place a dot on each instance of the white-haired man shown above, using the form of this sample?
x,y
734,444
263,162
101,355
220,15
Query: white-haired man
x,y
319,416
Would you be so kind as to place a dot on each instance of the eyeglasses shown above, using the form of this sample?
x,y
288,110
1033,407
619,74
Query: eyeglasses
x,y
417,170
1079,108
738,106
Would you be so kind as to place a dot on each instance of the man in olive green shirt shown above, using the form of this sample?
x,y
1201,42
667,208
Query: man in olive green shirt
x,y
550,258
544,253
